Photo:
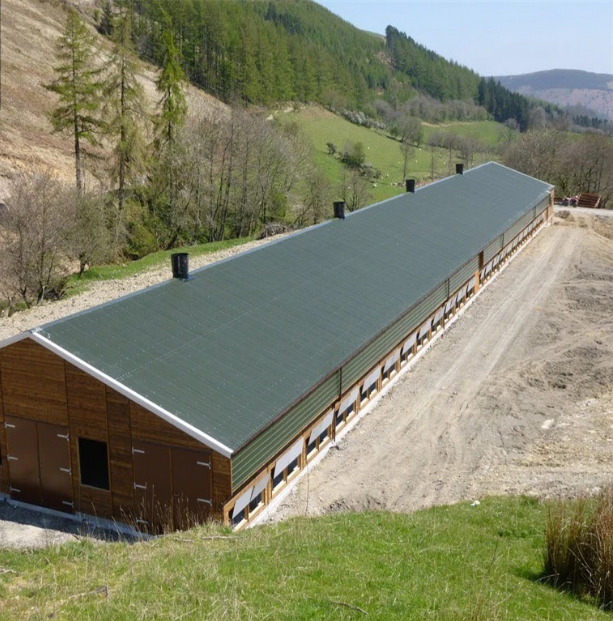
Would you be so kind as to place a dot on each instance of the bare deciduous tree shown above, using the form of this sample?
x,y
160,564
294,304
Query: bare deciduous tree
x,y
33,234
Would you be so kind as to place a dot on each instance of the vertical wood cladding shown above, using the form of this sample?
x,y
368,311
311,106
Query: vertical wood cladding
x,y
120,454
4,472
37,385
31,376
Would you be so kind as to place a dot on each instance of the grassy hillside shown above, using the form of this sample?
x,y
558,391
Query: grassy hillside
x,y
446,563
30,29
382,151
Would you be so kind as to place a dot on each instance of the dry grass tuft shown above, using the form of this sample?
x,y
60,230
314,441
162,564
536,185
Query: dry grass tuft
x,y
579,548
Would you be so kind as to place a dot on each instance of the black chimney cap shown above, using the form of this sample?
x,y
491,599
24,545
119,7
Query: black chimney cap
x,y
410,185
180,265
459,169
339,210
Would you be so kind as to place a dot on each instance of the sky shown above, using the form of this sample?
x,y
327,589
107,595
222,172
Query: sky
x,y
497,37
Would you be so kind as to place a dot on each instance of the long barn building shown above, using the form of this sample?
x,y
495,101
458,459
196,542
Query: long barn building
x,y
203,398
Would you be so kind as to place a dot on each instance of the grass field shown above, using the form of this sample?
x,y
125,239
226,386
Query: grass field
x,y
489,133
382,151
447,563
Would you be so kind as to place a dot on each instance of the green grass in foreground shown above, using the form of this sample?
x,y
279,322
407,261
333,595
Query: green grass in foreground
x,y
115,271
446,563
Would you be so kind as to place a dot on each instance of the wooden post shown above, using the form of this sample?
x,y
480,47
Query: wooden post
x,y
477,281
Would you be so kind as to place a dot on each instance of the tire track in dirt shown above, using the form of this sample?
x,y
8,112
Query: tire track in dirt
x,y
430,437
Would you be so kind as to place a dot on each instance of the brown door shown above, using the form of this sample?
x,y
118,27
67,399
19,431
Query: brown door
x,y
191,483
152,487
22,457
55,472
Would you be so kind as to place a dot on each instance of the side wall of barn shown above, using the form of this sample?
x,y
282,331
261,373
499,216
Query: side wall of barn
x,y
313,422
52,411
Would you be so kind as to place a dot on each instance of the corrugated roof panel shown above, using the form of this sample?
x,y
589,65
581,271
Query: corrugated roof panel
x,y
232,348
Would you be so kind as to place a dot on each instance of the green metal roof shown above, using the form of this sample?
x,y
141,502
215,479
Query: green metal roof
x,y
231,349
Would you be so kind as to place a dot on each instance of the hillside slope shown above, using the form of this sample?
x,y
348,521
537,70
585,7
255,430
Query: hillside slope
x,y
30,29
566,87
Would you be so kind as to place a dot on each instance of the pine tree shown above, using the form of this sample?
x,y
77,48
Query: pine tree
x,y
78,87
106,20
126,102
171,86
171,117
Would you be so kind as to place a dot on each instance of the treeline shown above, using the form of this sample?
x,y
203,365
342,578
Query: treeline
x,y
572,163
265,52
295,50
428,71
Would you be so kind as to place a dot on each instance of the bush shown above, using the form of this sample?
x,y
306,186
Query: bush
x,y
579,548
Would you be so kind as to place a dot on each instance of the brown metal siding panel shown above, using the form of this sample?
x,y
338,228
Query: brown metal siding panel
x,y
120,454
22,441
191,487
55,470
32,375
152,486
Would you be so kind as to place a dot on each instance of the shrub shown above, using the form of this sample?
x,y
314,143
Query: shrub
x,y
579,548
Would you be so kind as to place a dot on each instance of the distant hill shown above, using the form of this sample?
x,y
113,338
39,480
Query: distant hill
x,y
566,87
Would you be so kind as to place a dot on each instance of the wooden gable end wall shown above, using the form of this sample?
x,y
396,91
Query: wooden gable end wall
x,y
37,385
4,472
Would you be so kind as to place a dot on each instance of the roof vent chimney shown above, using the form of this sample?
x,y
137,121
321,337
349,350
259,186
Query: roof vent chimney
x,y
459,169
180,265
339,210
410,185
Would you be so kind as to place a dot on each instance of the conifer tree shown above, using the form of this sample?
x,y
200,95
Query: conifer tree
x,y
171,86
126,103
170,119
106,20
78,87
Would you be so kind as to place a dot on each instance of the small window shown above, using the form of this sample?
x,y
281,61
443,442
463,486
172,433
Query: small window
x,y
94,463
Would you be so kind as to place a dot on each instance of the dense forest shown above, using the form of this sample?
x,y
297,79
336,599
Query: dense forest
x,y
267,52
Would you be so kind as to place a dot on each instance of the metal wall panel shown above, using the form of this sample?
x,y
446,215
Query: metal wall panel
x,y
521,224
542,206
492,249
463,274
259,451
357,366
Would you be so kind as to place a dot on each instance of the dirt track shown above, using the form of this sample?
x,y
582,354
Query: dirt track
x,y
517,397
